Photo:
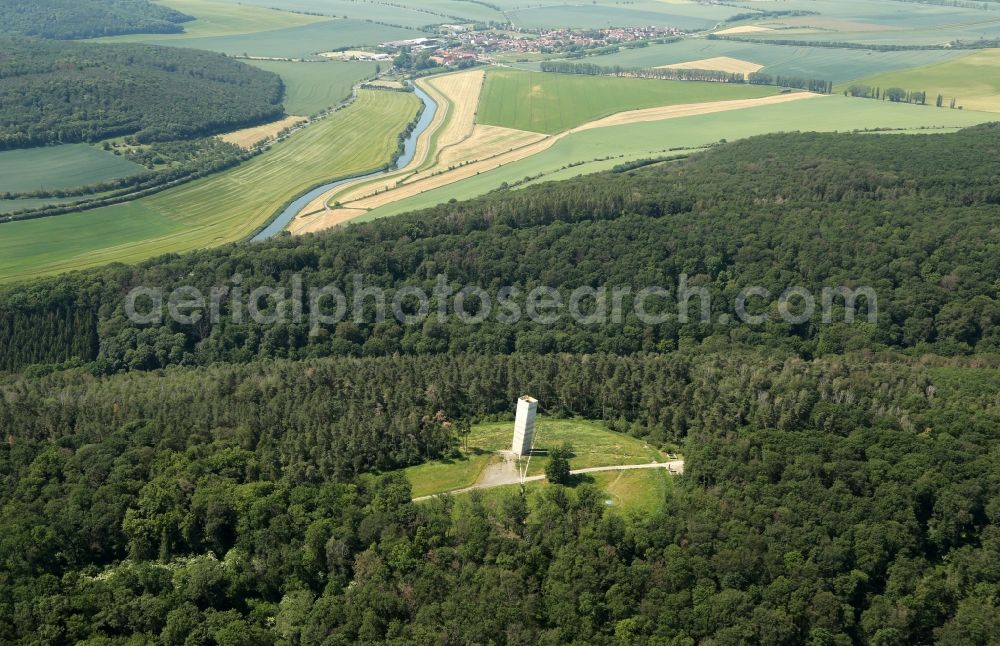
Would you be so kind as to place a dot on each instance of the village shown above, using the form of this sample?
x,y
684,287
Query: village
x,y
460,44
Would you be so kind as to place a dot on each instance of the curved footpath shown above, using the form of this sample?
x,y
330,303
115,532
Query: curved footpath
x,y
674,466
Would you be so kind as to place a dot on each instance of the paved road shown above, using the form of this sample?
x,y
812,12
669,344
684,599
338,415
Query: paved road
x,y
675,466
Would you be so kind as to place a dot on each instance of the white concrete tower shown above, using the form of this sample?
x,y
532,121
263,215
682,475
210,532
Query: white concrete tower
x,y
524,425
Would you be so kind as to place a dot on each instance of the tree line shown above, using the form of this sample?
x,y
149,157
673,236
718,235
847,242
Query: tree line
x,y
982,43
683,74
151,93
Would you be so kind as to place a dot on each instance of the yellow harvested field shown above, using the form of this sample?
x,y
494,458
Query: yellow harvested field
x,y
691,110
719,64
462,91
487,141
311,221
745,29
250,137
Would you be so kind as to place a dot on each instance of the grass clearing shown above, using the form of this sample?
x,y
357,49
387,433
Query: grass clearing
x,y
311,88
225,207
58,167
593,446
973,80
551,103
638,492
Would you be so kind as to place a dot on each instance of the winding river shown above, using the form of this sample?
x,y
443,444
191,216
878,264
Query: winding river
x,y
278,224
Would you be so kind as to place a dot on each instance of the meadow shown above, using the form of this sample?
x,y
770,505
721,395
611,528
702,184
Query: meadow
x,y
837,65
602,148
298,42
311,88
550,103
973,80
58,167
225,207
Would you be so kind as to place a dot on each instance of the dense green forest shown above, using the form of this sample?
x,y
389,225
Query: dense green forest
x,y
913,217
68,19
152,93
843,500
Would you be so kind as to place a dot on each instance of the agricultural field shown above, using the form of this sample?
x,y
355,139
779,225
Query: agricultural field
x,y
216,18
408,13
593,446
689,16
311,88
302,42
600,149
225,207
973,80
550,103
59,167
837,65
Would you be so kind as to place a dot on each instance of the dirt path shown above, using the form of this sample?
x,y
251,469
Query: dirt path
x,y
505,472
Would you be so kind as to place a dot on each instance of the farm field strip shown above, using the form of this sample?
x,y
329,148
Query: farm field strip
x,y
318,221
225,207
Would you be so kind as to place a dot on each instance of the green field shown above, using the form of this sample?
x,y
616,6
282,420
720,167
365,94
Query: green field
x,y
215,18
57,167
974,80
690,16
642,140
311,88
551,103
407,13
835,65
224,207
12,206
298,42
593,446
